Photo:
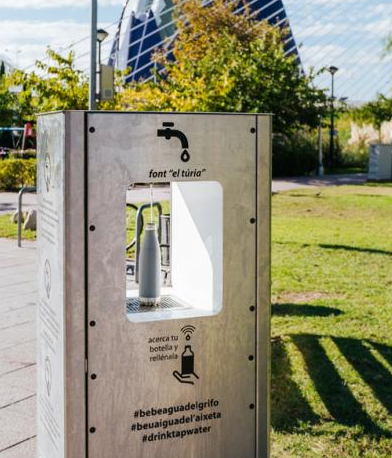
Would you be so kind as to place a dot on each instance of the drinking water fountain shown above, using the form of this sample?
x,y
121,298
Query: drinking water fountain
x,y
164,365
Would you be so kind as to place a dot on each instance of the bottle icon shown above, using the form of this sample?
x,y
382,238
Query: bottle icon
x,y
150,268
187,374
187,361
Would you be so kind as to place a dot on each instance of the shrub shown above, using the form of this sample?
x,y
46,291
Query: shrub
x,y
16,173
356,155
294,155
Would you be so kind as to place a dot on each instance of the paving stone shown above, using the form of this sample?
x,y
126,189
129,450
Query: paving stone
x,y
17,335
17,317
18,297
27,449
17,385
18,423
18,357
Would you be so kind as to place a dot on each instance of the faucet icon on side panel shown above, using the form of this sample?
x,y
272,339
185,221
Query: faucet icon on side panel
x,y
168,133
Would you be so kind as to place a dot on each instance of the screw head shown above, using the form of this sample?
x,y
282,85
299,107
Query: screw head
x,y
252,220
93,376
92,323
91,129
252,308
251,406
92,228
93,429
251,357
253,130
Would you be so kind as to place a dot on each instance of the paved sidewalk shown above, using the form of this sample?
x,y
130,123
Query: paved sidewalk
x,y
17,350
286,184
9,202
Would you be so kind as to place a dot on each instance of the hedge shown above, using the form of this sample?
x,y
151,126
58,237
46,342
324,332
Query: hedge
x,y
16,173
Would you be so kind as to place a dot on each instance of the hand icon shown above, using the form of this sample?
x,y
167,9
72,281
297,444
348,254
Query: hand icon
x,y
186,378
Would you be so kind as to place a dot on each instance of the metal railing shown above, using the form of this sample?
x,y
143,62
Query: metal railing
x,y
20,199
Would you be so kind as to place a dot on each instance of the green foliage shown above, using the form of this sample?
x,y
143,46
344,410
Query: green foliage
x,y
7,103
228,62
375,112
295,154
16,173
57,86
355,156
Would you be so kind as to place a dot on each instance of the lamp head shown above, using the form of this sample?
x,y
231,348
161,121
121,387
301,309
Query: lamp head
x,y
332,70
101,35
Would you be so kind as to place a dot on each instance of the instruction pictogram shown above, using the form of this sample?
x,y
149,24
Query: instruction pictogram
x,y
168,133
187,374
48,375
47,278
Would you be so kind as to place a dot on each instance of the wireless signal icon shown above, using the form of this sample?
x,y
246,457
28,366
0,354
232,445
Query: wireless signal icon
x,y
188,330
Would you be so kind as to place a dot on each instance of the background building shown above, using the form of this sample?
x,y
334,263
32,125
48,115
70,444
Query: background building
x,y
145,25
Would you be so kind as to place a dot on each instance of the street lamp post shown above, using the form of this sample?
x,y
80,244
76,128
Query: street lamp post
x,y
93,57
96,36
332,70
101,36
320,148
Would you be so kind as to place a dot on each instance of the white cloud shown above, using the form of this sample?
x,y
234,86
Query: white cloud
x,y
54,4
27,47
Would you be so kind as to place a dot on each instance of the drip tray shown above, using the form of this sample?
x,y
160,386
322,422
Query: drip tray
x,y
167,303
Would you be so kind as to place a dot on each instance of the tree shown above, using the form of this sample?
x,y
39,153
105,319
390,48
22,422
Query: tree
x,y
225,61
58,86
375,112
2,69
7,102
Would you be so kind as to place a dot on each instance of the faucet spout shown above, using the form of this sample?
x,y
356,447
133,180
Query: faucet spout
x,y
169,133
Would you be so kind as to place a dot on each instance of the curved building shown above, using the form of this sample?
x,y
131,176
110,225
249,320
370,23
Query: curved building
x,y
146,24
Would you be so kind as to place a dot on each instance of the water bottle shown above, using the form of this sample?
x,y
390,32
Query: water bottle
x,y
150,268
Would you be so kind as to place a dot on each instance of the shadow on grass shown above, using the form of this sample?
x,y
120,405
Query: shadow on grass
x,y
291,409
354,248
290,309
373,373
327,246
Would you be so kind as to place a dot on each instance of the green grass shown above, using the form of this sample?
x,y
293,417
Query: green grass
x,y
332,323
10,230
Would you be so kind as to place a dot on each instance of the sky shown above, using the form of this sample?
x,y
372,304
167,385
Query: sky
x,y
348,34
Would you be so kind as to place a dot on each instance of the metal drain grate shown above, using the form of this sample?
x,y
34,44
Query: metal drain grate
x,y
166,303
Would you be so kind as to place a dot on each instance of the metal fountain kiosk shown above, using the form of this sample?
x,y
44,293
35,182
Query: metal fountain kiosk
x,y
188,378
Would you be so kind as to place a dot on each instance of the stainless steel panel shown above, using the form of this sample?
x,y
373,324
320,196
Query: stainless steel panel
x,y
61,266
263,305
51,288
124,148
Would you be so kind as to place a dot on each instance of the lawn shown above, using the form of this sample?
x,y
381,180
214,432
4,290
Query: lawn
x,y
10,230
332,323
